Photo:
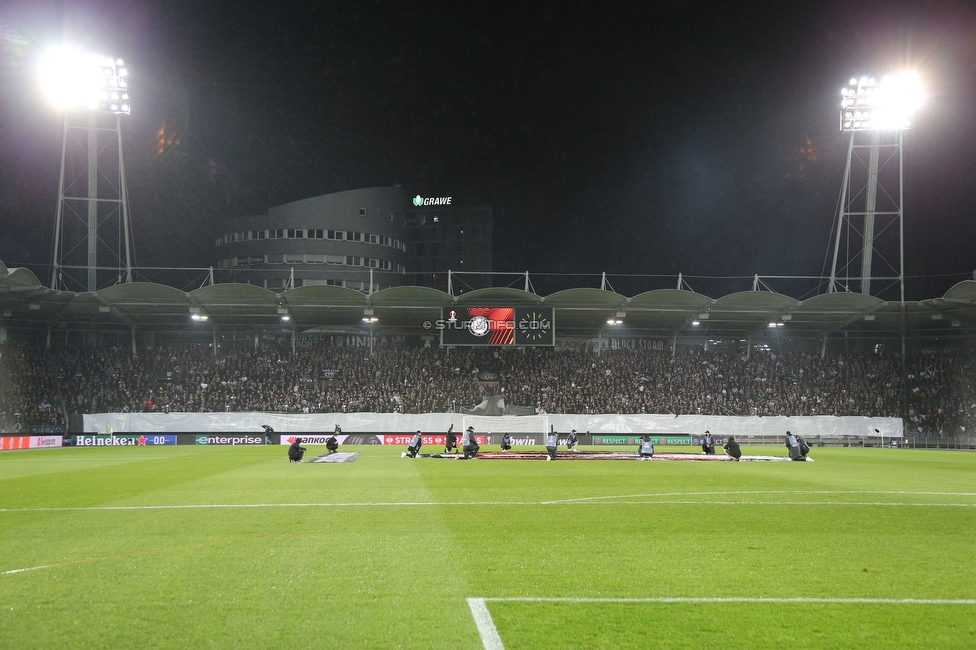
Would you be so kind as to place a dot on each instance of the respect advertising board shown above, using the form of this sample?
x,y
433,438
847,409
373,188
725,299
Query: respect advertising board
x,y
698,440
634,439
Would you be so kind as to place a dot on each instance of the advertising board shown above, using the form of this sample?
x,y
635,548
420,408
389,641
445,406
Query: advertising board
x,y
29,442
133,440
229,440
678,440
321,438
436,439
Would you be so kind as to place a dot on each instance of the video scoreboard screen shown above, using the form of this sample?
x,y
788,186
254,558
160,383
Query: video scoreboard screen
x,y
498,326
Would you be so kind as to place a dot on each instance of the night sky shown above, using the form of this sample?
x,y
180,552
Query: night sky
x,y
632,138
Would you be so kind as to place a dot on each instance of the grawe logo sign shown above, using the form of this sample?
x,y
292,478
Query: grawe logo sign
x,y
431,200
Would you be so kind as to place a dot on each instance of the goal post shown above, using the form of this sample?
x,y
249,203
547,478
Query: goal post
x,y
485,424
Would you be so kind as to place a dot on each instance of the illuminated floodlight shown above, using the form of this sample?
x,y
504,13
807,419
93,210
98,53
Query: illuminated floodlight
x,y
77,82
888,105
876,113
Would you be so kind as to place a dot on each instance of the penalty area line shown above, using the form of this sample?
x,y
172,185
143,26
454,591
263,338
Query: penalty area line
x,y
740,599
492,641
486,626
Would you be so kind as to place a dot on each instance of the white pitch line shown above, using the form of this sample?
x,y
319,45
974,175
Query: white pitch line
x,y
492,641
397,504
486,626
906,504
680,494
87,459
32,568
204,506
666,600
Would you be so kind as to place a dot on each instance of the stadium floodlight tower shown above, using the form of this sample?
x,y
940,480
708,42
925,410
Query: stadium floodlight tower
x,y
93,94
876,114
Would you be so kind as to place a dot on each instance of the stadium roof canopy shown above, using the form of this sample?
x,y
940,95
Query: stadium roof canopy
x,y
581,312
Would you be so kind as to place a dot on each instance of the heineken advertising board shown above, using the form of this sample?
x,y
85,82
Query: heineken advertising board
x,y
134,440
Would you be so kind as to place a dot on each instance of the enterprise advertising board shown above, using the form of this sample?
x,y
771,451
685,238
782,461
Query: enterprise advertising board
x,y
230,440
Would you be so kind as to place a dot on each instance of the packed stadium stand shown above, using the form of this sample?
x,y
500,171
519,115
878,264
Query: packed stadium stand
x,y
39,386
326,349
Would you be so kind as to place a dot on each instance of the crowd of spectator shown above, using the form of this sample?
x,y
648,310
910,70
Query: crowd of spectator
x,y
936,391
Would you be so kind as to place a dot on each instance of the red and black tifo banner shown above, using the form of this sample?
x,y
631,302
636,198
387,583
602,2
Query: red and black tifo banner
x,y
497,326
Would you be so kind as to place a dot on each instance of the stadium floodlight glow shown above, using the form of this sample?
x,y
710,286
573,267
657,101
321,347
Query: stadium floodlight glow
x,y
876,114
92,93
82,82
888,105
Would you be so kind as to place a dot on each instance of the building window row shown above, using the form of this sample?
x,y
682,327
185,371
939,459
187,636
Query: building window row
x,y
309,233
307,258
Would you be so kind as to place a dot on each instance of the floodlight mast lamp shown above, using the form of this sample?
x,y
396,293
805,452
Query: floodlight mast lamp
x,y
876,115
96,88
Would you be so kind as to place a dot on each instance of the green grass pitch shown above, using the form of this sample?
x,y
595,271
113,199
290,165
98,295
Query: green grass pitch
x,y
233,547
